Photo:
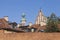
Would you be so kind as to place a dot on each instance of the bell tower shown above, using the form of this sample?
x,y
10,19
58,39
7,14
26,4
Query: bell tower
x,y
23,20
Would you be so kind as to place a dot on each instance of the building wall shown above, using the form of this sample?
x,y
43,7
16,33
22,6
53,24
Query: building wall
x,y
5,31
42,23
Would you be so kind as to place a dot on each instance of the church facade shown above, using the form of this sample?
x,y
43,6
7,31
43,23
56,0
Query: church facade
x,y
41,19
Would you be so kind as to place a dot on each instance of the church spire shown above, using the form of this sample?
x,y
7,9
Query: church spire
x,y
40,10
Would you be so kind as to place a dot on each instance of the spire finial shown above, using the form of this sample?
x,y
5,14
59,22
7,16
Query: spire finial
x,y
40,9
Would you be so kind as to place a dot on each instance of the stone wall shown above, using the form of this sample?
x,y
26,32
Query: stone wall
x,y
30,36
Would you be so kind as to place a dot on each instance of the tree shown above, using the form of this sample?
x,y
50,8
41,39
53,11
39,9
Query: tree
x,y
59,20
52,23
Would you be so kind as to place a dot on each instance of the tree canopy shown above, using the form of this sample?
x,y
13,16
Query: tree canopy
x,y
52,23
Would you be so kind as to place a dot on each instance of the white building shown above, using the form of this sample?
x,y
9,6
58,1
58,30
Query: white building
x,y
41,19
30,24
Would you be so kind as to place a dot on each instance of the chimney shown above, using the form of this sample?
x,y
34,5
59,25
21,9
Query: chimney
x,y
6,18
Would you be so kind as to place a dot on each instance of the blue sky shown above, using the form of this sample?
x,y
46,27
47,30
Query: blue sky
x,y
15,8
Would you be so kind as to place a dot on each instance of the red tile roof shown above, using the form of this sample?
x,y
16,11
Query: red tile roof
x,y
3,23
38,27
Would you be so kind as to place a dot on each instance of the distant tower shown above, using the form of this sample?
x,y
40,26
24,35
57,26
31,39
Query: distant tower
x,y
41,19
23,21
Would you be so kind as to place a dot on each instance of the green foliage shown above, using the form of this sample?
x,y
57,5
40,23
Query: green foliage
x,y
52,23
59,20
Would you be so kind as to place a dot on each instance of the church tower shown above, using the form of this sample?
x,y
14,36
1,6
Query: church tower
x,y
41,19
23,21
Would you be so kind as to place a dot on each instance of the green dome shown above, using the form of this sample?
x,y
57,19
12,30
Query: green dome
x,y
23,15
